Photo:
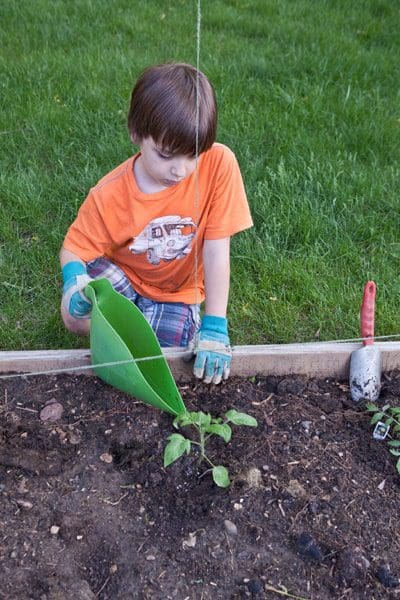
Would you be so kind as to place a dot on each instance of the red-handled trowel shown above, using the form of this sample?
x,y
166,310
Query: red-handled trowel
x,y
365,363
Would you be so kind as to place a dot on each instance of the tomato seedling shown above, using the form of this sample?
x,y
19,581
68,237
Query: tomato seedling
x,y
386,418
206,427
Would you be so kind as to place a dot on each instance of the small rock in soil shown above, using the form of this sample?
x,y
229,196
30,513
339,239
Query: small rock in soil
x,y
25,504
54,529
52,411
308,547
105,457
190,542
230,527
74,439
386,578
253,477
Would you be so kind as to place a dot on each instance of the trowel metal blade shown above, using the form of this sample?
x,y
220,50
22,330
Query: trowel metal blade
x,y
365,373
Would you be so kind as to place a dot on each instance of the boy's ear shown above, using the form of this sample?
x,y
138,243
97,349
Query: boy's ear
x,y
135,139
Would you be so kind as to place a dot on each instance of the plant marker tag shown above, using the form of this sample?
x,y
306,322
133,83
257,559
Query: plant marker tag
x,y
381,430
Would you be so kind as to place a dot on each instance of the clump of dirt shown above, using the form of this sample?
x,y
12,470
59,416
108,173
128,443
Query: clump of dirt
x,y
87,510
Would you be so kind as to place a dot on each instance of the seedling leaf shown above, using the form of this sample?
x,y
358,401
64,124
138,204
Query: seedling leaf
x,y
371,407
216,420
176,446
377,417
398,466
201,419
239,418
182,420
223,431
395,452
394,443
221,476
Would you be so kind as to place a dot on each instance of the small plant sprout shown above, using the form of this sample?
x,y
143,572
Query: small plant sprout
x,y
206,426
384,419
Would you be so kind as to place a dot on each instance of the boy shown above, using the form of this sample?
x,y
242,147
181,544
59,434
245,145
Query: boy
x,y
163,213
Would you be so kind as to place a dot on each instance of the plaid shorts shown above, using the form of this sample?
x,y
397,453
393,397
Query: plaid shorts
x,y
174,323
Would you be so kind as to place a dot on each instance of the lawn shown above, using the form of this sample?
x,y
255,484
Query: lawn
x,y
309,101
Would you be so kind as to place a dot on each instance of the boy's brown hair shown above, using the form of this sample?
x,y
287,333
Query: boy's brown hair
x,y
163,106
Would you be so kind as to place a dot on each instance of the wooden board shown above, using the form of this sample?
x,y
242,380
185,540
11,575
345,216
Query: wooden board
x,y
311,359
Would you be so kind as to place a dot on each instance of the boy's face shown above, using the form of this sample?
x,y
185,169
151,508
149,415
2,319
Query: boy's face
x,y
158,169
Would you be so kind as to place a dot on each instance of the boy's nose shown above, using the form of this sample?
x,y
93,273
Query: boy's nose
x,y
178,170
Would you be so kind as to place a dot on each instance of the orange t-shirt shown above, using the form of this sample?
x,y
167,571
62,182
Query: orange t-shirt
x,y
152,236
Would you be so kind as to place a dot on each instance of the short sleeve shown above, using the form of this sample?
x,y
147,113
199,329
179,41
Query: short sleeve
x,y
88,236
229,210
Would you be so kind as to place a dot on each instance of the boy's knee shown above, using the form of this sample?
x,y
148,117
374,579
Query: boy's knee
x,y
78,326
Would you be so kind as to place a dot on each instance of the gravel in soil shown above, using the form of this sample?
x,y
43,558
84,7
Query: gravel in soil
x,y
87,510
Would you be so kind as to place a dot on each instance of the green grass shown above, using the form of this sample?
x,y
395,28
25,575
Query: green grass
x,y
309,101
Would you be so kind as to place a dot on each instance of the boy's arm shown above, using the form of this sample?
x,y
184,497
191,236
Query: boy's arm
x,y
216,262
213,352
67,256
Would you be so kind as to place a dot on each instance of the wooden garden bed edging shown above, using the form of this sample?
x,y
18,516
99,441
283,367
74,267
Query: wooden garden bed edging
x,y
312,359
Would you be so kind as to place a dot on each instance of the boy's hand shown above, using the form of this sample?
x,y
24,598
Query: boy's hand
x,y
75,280
212,349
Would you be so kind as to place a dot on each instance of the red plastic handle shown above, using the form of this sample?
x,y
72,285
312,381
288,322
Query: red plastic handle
x,y
367,313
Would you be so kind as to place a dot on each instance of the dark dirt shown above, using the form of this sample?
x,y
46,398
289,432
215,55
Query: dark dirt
x,y
313,510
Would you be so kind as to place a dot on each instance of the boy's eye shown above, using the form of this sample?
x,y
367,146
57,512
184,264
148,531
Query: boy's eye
x,y
163,155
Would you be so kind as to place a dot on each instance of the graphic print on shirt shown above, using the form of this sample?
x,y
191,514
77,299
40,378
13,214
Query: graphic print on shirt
x,y
165,238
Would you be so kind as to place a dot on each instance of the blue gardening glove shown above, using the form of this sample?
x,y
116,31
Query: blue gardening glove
x,y
212,349
75,280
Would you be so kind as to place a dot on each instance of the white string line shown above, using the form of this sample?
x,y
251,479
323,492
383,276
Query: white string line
x,y
196,192
183,355
94,366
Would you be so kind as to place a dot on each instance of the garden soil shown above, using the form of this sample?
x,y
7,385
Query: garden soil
x,y
88,512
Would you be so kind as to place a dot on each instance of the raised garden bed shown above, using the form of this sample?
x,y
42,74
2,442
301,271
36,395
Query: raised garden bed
x,y
319,359
89,512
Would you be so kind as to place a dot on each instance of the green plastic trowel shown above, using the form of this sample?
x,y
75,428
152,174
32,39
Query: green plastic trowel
x,y
120,333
